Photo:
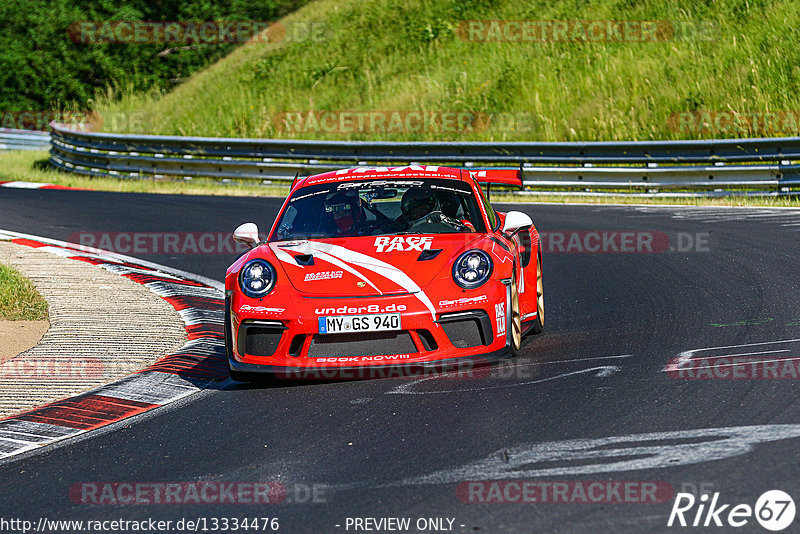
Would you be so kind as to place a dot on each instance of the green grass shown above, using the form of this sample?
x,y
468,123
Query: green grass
x,y
19,300
32,166
392,55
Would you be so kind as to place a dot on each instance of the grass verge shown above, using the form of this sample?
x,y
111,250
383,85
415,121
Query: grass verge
x,y
19,300
32,166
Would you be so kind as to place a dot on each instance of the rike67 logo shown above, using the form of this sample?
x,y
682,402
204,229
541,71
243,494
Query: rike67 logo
x,y
774,510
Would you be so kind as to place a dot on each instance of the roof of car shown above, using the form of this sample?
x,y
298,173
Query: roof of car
x,y
367,173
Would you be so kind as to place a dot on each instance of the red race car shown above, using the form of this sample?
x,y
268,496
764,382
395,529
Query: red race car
x,y
376,269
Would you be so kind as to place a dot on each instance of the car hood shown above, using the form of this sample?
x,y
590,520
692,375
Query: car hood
x,y
368,266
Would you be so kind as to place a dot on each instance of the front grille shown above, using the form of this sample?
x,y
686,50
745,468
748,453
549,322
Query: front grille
x,y
260,338
467,329
375,344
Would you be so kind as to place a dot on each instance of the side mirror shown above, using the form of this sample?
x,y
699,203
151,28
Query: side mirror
x,y
247,234
516,222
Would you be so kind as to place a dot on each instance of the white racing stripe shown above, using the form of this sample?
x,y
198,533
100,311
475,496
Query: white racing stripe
x,y
288,258
386,270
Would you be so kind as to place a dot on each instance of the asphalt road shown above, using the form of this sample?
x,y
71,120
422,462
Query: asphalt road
x,y
402,447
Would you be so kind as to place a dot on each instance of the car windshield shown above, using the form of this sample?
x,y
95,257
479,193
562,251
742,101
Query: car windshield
x,y
380,207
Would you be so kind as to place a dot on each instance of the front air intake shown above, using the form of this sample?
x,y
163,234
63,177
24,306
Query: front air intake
x,y
467,329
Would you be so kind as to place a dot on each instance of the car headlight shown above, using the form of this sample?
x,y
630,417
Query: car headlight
x,y
257,278
472,269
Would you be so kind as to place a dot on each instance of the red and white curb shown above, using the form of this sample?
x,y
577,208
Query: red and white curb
x,y
199,363
33,185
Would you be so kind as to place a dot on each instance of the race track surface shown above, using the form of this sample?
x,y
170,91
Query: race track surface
x,y
402,447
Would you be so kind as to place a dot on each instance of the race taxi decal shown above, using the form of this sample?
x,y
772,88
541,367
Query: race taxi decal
x,y
402,243
500,317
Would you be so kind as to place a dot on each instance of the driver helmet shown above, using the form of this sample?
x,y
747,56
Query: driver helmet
x,y
449,203
417,203
344,211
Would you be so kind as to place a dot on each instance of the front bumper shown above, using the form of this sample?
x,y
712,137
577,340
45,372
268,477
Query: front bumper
x,y
296,349
418,369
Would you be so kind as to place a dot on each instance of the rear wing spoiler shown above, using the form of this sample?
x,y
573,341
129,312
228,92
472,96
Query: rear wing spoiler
x,y
506,177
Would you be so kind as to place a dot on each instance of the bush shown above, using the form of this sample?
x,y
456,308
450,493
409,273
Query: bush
x,y
42,69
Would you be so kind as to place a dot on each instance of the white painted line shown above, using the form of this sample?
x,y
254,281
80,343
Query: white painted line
x,y
749,353
580,360
405,389
683,359
741,364
632,452
745,345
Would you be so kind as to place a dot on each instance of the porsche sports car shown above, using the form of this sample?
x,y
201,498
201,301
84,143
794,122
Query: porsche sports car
x,y
370,268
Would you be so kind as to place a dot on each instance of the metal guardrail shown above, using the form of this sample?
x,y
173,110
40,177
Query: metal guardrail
x,y
766,164
23,139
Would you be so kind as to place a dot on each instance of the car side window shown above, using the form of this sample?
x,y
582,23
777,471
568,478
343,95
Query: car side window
x,y
493,220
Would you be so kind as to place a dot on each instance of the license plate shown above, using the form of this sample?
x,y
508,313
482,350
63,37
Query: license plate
x,y
345,324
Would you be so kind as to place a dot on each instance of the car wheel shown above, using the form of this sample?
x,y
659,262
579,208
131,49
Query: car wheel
x,y
538,324
515,323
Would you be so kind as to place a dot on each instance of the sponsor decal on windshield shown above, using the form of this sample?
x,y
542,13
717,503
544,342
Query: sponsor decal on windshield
x,y
381,183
